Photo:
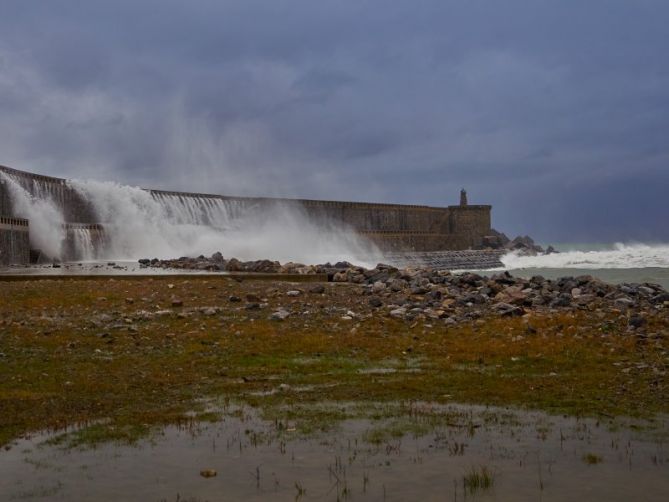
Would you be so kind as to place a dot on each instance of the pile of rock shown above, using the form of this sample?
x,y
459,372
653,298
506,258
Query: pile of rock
x,y
216,263
523,245
438,294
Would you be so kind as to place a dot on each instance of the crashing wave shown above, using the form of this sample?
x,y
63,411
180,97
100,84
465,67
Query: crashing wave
x,y
620,256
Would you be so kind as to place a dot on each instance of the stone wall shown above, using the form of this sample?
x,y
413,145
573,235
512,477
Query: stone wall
x,y
470,223
369,217
391,226
360,216
14,241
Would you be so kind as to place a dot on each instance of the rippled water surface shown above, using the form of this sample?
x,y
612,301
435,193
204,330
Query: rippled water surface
x,y
529,456
611,275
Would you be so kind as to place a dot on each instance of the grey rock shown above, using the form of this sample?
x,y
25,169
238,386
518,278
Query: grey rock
x,y
636,321
398,312
397,285
375,302
279,315
661,298
563,300
378,287
624,302
508,310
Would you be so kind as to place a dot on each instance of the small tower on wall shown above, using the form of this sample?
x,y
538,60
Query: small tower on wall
x,y
463,197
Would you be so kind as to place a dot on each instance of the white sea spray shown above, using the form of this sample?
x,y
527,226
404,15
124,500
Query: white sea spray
x,y
618,256
139,223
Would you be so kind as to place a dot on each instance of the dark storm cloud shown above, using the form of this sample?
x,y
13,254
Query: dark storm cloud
x,y
555,112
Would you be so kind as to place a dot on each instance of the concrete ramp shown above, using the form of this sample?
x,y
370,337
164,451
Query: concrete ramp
x,y
449,260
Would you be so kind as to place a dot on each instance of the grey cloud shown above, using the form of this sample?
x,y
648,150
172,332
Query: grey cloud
x,y
555,112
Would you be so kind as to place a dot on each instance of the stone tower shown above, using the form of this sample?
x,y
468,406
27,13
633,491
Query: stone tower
x,y
463,197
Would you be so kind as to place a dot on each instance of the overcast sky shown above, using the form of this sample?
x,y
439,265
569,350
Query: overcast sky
x,y
555,112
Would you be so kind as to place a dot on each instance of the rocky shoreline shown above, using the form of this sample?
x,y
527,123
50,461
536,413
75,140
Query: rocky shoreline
x,y
437,260
157,345
439,295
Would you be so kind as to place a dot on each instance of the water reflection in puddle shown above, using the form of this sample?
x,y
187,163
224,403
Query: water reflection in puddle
x,y
425,455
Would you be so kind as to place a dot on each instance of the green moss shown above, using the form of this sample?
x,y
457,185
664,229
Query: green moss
x,y
96,434
394,430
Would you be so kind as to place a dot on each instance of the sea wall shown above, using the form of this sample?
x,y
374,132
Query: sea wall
x,y
390,226
393,227
74,207
14,241
470,224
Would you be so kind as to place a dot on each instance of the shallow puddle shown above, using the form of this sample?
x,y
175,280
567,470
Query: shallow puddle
x,y
430,453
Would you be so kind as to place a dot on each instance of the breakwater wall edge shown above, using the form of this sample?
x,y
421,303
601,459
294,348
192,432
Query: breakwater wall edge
x,y
392,227
14,241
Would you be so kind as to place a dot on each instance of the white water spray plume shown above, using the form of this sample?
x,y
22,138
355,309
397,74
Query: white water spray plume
x,y
140,224
46,219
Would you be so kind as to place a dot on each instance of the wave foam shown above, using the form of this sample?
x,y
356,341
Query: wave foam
x,y
620,257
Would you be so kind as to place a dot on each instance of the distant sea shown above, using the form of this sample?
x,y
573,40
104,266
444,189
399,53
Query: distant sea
x,y
614,263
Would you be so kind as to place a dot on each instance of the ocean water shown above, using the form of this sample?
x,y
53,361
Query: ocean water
x,y
614,263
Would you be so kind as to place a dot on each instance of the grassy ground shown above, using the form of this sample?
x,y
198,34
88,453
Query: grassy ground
x,y
79,352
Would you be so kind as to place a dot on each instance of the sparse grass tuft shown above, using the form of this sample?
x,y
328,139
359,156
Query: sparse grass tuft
x,y
96,434
592,459
478,478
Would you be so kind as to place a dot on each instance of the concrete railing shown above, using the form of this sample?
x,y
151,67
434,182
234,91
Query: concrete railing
x,y
14,222
83,226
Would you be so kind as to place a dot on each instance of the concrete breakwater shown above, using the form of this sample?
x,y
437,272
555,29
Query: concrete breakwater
x,y
73,220
14,242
